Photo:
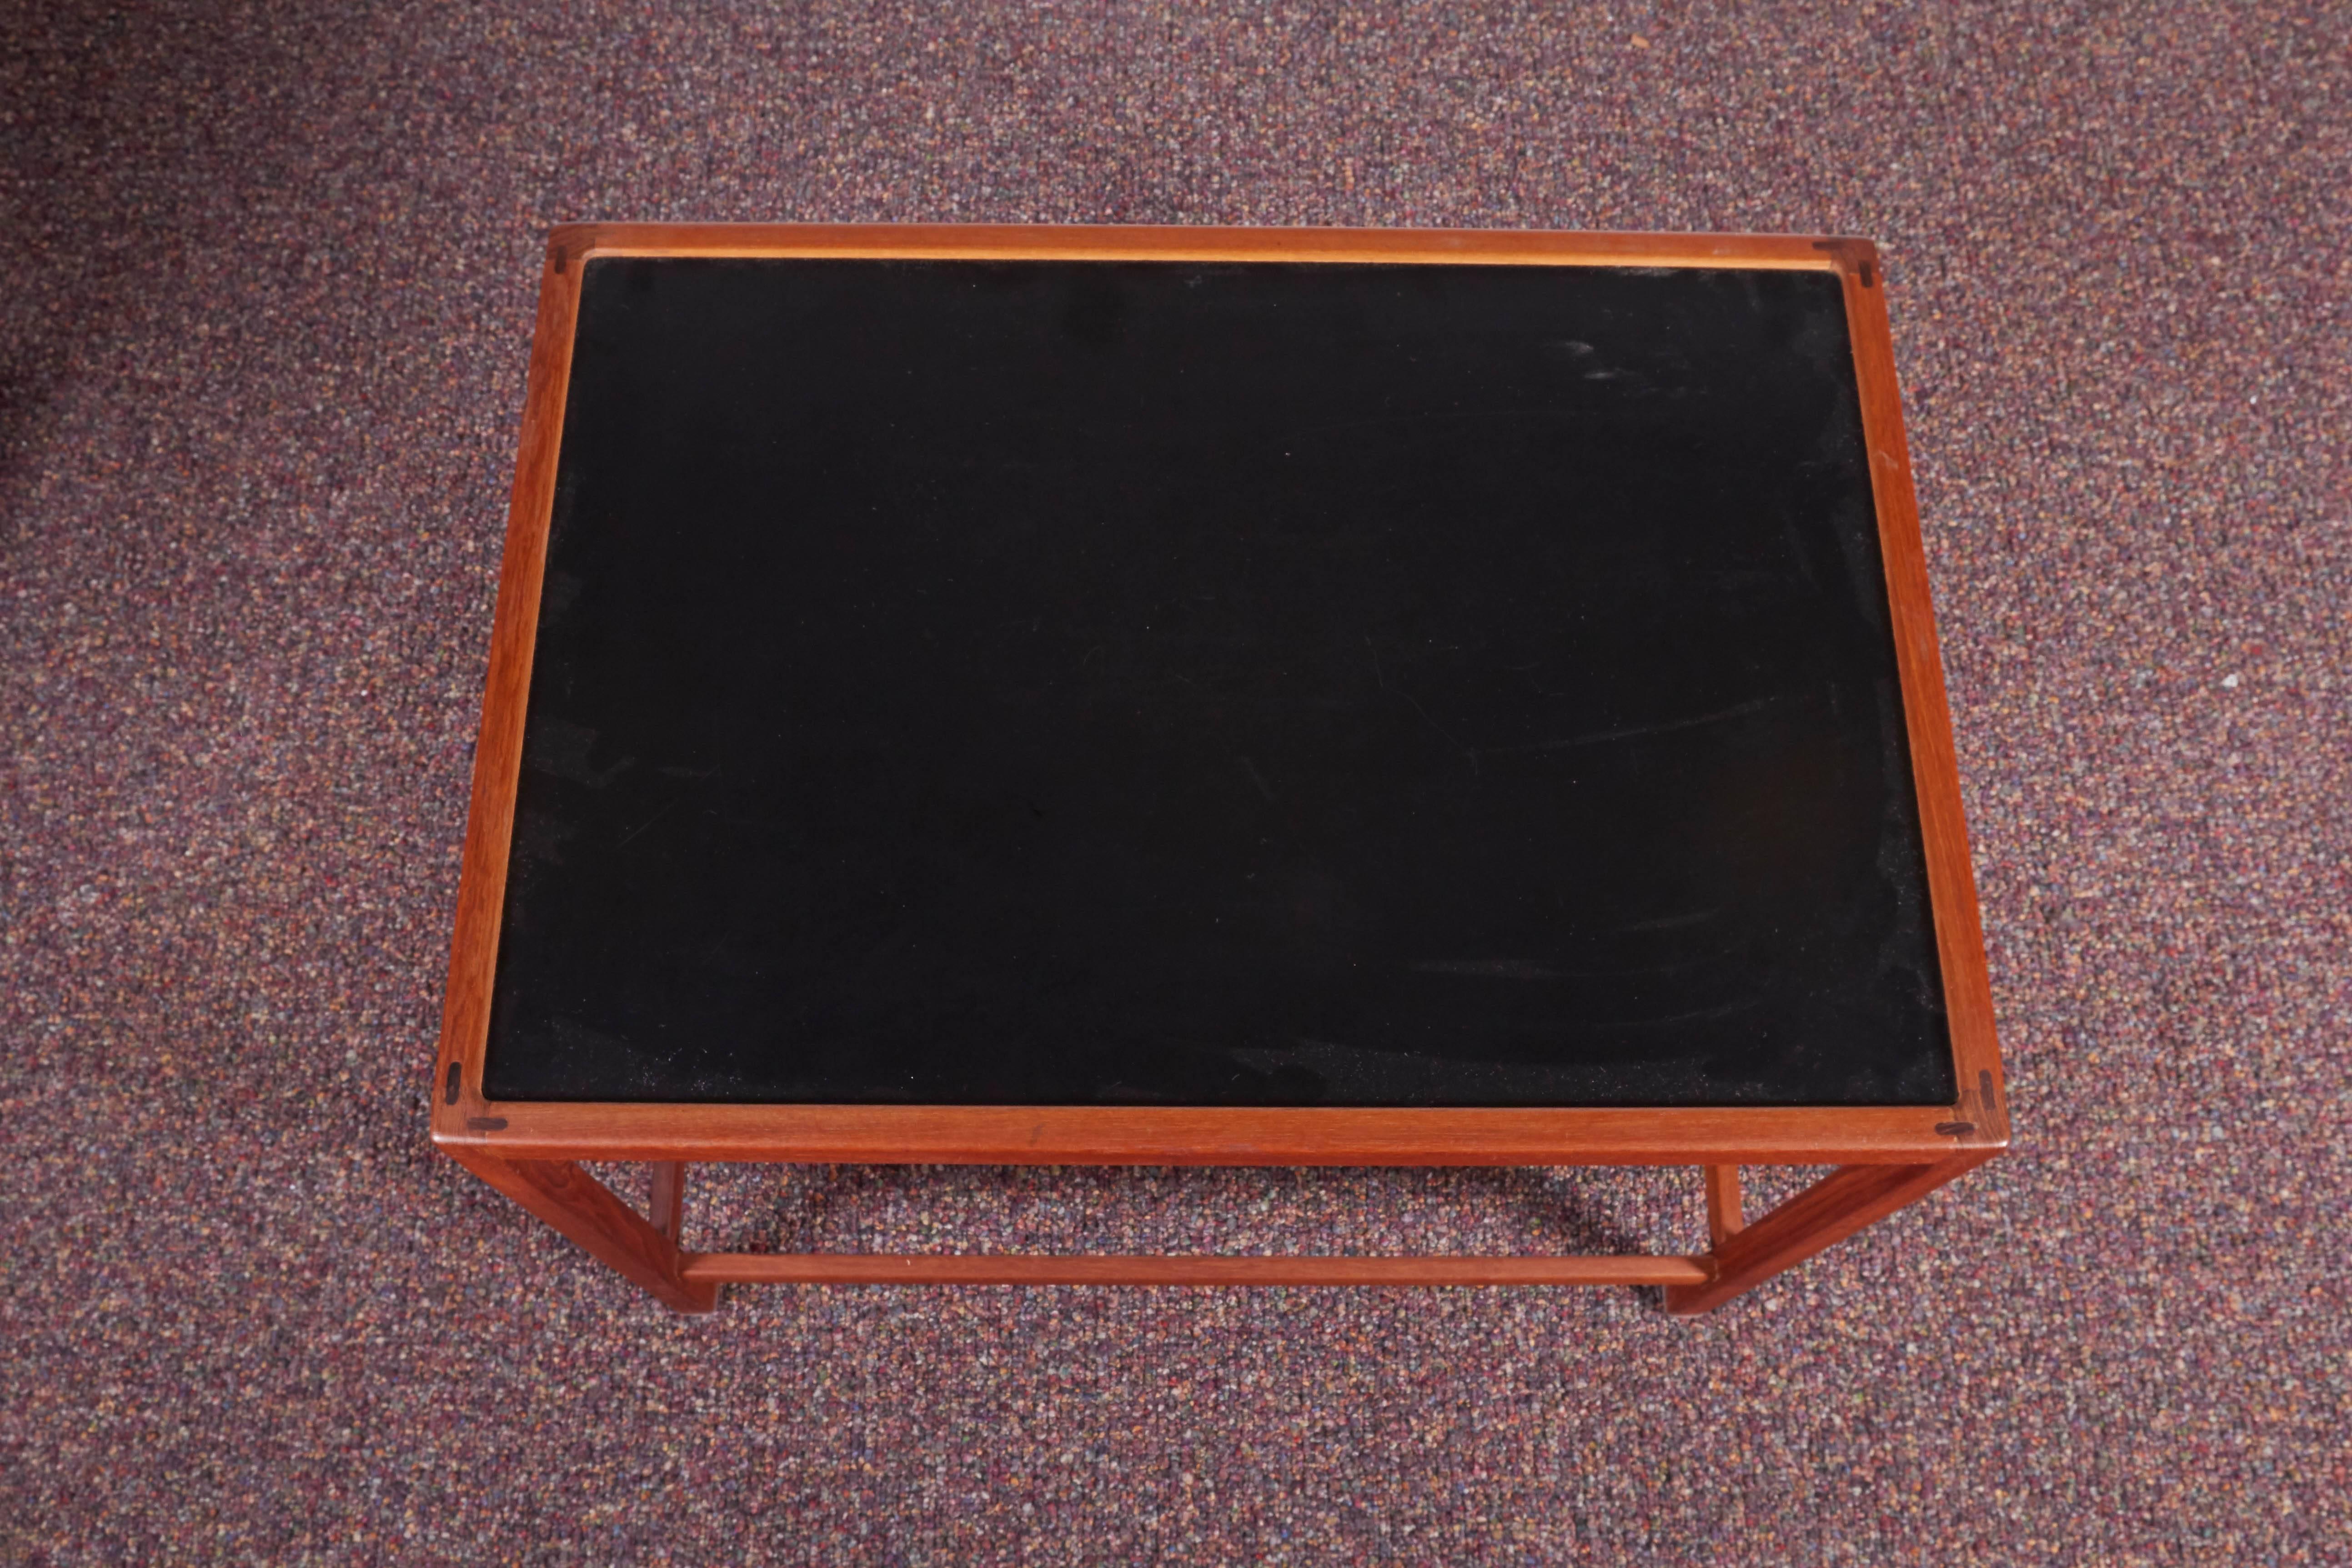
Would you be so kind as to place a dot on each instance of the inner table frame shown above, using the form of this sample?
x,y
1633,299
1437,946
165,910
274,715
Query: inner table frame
x,y
1888,1156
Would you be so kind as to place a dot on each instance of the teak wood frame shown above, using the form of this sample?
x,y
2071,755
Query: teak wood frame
x,y
1886,1156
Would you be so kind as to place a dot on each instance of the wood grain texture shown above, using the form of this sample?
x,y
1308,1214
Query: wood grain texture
x,y
1007,242
1068,1135
666,1210
1819,1217
967,1268
1724,1217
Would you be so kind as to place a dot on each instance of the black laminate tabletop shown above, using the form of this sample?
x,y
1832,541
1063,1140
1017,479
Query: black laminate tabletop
x,y
1092,683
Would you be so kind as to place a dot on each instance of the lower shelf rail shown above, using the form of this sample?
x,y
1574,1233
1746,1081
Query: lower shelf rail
x,y
1015,1268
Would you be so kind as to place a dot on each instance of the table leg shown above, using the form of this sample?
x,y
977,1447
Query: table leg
x,y
667,1209
1724,1217
583,1209
1821,1216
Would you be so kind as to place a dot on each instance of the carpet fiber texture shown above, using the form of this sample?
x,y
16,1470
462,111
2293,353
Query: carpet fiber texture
x,y
268,282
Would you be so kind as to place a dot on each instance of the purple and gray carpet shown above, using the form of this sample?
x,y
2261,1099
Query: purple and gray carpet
x,y
267,277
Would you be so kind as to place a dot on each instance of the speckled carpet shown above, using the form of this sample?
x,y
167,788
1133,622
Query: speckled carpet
x,y
269,283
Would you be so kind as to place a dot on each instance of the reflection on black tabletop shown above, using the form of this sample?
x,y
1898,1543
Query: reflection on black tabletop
x,y
1174,684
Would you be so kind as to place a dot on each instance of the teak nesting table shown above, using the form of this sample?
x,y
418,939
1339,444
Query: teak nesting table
x,y
1164,695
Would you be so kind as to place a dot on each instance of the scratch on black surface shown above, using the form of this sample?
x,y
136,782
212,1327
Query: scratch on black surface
x,y
1694,1015
559,748
1468,750
1429,417
1606,735
1669,922
1257,778
1488,968
630,838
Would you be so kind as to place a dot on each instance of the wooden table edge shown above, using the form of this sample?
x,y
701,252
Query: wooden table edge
x,y
584,242
1075,1135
